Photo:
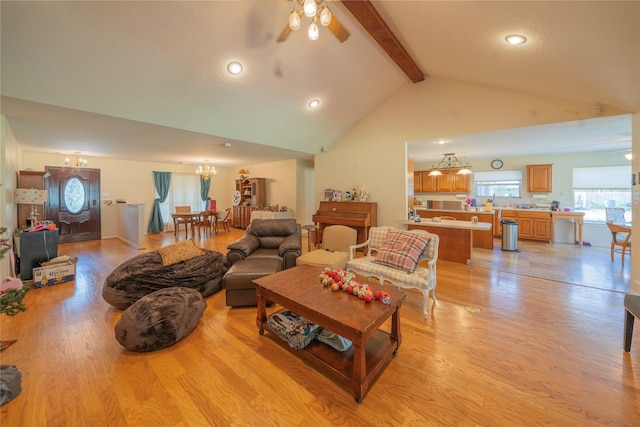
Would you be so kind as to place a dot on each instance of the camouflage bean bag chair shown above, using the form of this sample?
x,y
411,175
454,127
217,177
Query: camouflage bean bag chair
x,y
160,319
182,264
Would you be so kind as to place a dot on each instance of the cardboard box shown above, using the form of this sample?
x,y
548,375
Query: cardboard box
x,y
55,273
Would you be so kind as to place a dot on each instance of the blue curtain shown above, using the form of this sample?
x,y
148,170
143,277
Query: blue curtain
x,y
161,181
204,191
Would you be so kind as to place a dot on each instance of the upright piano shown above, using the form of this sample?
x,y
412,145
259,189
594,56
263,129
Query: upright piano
x,y
359,215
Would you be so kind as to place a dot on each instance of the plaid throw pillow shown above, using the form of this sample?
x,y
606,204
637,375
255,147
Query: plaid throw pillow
x,y
402,250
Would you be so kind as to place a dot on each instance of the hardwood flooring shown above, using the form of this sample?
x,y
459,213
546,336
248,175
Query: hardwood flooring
x,y
500,348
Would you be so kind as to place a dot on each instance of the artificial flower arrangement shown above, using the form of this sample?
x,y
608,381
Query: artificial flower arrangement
x,y
346,281
12,290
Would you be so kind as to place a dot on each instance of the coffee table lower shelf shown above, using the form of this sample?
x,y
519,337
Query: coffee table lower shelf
x,y
379,349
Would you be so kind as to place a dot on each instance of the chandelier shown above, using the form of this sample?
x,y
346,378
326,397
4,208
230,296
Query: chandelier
x,y
450,161
311,9
206,172
80,162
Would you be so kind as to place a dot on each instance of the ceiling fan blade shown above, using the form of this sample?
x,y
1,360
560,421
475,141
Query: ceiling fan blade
x,y
284,34
338,29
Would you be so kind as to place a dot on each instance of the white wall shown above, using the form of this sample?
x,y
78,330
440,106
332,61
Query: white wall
x,y
635,235
9,159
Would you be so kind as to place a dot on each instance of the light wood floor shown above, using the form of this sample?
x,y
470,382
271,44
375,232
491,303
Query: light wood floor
x,y
499,349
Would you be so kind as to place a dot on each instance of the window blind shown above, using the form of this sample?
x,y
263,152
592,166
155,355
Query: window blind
x,y
604,177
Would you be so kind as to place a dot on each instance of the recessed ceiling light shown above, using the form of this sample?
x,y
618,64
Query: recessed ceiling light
x,y
234,68
515,39
314,103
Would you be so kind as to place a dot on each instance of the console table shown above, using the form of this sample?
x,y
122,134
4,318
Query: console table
x,y
578,221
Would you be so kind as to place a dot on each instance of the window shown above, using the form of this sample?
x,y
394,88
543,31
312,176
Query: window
x,y
598,188
500,183
184,190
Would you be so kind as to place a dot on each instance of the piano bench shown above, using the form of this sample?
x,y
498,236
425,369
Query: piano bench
x,y
239,289
322,258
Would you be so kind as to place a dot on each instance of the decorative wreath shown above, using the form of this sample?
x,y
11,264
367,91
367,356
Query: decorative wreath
x,y
346,281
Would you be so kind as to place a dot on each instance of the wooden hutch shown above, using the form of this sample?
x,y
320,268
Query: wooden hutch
x,y
253,192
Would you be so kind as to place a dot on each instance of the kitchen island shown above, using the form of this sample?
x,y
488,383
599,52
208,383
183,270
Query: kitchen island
x,y
456,237
481,238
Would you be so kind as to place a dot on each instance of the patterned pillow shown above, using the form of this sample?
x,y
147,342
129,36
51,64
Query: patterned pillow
x,y
177,252
402,250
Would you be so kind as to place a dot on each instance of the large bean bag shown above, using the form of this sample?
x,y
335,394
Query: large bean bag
x,y
181,264
160,319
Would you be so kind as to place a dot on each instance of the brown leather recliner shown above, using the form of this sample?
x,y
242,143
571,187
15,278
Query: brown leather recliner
x,y
269,245
269,238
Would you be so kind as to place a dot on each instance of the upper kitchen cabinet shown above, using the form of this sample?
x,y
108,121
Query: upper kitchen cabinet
x,y
417,182
449,182
539,178
428,183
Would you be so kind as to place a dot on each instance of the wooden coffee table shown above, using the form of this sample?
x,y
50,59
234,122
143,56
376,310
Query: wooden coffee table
x,y
299,289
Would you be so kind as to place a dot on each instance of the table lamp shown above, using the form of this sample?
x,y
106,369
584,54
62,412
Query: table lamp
x,y
32,196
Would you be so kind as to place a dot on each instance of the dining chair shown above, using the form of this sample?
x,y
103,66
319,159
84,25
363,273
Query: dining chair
x,y
206,222
222,217
177,222
620,239
615,215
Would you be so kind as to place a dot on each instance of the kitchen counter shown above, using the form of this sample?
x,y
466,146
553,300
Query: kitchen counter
x,y
481,238
422,208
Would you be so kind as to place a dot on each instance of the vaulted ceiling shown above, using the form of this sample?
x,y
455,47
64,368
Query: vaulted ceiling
x,y
145,80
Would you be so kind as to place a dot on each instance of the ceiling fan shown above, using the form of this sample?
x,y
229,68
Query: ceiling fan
x,y
367,15
317,11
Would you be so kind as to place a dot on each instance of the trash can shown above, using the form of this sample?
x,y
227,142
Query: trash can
x,y
509,235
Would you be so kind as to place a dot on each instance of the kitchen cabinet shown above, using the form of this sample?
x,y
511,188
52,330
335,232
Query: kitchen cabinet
x,y
253,192
449,182
507,215
428,183
539,178
417,182
460,183
532,225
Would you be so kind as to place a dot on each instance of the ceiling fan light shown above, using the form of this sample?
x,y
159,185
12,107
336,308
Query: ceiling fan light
x,y
310,8
294,21
313,31
325,16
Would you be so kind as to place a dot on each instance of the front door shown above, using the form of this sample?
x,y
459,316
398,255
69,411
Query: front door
x,y
74,202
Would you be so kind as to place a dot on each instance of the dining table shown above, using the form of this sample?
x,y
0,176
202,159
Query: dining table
x,y
188,218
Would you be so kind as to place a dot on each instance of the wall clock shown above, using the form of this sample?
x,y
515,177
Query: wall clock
x,y
496,164
236,198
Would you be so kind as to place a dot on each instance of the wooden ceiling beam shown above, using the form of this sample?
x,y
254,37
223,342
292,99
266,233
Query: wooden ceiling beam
x,y
371,20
